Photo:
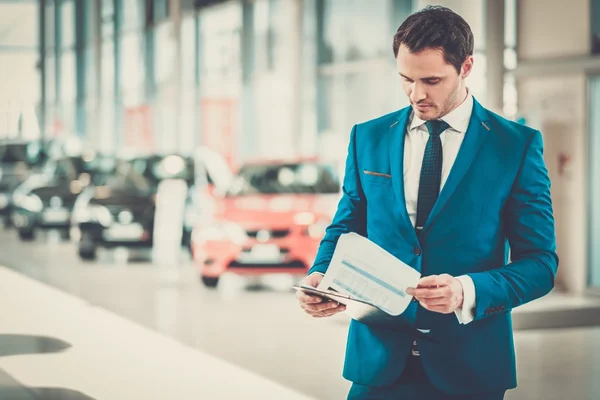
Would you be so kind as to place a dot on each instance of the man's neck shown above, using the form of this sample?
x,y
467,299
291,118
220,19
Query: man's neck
x,y
461,99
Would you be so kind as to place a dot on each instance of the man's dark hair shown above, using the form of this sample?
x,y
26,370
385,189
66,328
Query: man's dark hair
x,y
436,27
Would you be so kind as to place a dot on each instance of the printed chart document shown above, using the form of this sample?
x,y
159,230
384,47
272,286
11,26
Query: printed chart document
x,y
370,281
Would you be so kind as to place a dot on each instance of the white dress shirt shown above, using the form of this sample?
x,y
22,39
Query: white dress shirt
x,y
414,150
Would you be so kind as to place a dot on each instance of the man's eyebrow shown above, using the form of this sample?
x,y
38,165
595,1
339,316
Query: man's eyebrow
x,y
427,78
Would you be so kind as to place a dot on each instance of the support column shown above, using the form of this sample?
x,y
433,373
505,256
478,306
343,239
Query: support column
x,y
197,92
322,58
150,65
246,143
175,15
118,110
98,109
57,55
494,51
42,66
81,39
296,74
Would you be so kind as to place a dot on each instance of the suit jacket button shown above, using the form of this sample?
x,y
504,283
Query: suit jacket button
x,y
417,250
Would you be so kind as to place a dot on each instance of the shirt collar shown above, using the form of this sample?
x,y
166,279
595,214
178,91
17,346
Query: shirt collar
x,y
458,119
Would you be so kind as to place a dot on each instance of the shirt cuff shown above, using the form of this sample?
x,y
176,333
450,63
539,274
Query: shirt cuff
x,y
317,272
465,314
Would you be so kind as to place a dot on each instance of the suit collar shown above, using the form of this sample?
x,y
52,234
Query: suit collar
x,y
458,119
396,153
477,132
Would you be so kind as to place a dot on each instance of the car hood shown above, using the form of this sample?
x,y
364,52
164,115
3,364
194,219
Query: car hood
x,y
60,189
9,183
276,210
122,197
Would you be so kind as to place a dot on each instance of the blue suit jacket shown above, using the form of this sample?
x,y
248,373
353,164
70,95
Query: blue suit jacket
x,y
497,195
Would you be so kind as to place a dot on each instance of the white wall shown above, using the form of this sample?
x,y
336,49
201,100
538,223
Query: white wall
x,y
553,28
557,105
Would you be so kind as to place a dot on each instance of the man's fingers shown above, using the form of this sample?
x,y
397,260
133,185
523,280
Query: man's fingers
x,y
441,301
329,305
434,280
423,293
308,299
327,313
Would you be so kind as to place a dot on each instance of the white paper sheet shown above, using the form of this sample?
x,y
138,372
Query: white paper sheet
x,y
364,271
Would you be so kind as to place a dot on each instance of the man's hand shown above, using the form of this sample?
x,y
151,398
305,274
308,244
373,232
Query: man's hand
x,y
314,305
439,293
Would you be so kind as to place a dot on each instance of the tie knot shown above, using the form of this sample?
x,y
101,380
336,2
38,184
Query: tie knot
x,y
436,127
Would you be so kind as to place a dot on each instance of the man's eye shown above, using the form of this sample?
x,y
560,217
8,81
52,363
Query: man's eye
x,y
433,82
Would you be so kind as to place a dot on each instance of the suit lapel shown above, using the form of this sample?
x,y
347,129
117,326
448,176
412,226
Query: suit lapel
x,y
474,138
396,152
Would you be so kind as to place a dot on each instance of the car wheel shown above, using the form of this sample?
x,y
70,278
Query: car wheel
x,y
87,249
65,234
210,282
27,234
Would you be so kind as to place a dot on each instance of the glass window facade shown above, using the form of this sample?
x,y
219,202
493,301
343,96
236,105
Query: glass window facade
x,y
594,182
133,71
133,15
20,24
68,81
323,64
67,18
164,52
356,30
220,77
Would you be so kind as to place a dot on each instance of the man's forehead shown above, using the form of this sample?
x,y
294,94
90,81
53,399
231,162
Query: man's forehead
x,y
427,63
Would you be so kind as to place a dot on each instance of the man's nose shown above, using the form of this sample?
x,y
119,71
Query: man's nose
x,y
417,94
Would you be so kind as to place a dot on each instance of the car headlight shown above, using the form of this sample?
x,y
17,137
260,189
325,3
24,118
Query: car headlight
x,y
93,212
190,217
4,200
221,231
317,230
101,214
304,218
236,232
29,202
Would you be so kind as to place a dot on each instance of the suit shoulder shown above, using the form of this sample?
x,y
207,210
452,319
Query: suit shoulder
x,y
380,125
511,129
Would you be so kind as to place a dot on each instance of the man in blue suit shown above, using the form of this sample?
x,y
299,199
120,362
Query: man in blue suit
x,y
447,187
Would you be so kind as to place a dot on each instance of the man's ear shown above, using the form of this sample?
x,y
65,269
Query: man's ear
x,y
467,67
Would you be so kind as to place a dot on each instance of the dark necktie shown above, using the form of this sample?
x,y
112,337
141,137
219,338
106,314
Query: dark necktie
x,y
431,172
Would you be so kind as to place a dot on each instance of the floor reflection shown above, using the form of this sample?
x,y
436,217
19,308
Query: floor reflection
x,y
12,345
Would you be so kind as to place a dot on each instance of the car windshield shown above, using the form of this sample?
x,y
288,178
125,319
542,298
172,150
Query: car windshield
x,y
293,178
14,153
126,178
158,168
67,168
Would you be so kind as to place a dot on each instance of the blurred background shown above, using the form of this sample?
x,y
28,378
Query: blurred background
x,y
170,166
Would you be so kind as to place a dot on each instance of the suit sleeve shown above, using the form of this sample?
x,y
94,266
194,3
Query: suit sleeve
x,y
529,228
351,211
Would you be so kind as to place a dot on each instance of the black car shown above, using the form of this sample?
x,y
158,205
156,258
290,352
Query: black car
x,y
18,160
121,213
46,200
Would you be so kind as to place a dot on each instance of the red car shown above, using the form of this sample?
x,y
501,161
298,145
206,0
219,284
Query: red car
x,y
271,220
